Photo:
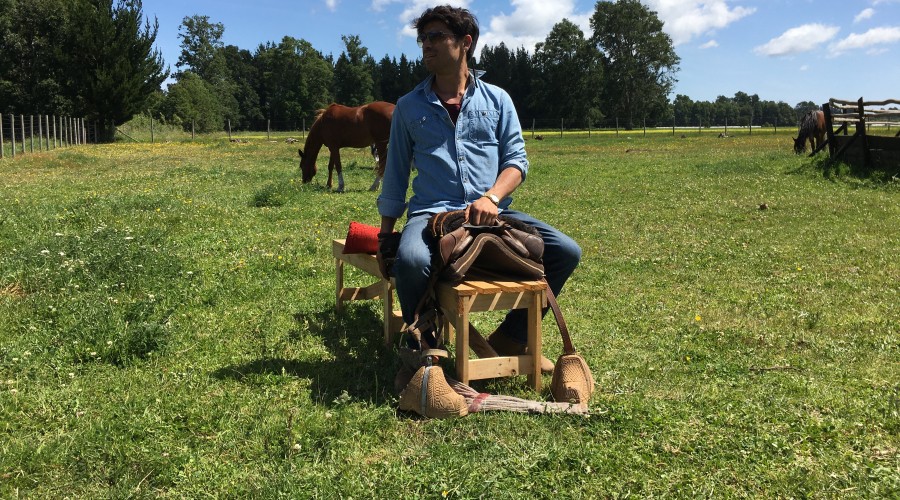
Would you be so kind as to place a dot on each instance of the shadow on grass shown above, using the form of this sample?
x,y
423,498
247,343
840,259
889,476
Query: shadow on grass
x,y
359,365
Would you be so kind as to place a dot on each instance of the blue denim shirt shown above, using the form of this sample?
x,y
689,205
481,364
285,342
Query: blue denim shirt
x,y
454,165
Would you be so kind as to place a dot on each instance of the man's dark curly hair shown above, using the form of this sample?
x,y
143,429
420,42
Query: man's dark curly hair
x,y
460,21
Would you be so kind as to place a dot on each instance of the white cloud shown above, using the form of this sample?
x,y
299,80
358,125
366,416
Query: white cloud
x,y
530,22
414,8
710,45
868,40
331,4
686,19
796,40
865,14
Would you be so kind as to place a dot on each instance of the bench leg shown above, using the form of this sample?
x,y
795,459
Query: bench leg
x,y
534,340
387,300
460,321
339,284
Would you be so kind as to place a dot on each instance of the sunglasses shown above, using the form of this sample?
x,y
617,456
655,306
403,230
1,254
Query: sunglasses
x,y
432,36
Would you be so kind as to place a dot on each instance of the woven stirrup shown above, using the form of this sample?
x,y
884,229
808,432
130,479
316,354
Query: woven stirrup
x,y
429,394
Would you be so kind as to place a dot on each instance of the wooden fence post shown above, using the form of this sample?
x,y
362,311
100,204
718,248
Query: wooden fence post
x,y
532,128
12,130
83,131
617,126
40,134
151,130
1,136
561,126
268,129
229,130
22,125
645,127
192,130
55,137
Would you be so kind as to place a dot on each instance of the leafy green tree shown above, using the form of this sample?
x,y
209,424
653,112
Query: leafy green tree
x,y
201,45
683,109
497,63
353,73
33,69
192,103
568,76
295,81
243,77
639,59
112,65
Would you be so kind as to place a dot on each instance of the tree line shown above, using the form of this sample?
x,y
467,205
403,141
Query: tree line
x,y
96,58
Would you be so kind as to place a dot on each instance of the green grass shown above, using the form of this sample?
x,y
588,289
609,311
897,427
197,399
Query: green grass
x,y
167,328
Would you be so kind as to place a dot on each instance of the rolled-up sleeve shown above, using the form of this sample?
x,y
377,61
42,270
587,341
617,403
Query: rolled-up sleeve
x,y
392,200
512,152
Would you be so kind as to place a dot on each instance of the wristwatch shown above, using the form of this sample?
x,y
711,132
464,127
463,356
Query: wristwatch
x,y
491,196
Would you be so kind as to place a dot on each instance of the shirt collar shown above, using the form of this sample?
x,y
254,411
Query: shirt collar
x,y
475,81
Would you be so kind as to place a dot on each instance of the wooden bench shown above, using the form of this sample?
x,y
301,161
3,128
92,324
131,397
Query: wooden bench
x,y
381,288
457,302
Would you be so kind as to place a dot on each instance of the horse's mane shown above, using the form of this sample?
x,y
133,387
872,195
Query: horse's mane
x,y
808,124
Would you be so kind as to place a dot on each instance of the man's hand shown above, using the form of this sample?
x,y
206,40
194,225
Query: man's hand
x,y
482,212
387,252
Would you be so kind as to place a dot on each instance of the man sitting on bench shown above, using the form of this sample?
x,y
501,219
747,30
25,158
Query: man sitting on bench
x,y
466,142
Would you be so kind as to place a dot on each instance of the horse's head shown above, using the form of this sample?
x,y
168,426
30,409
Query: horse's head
x,y
799,145
307,166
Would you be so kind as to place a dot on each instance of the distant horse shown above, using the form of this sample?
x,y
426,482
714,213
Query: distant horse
x,y
339,127
812,129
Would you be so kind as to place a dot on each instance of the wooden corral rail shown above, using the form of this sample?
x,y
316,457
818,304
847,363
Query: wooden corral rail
x,y
861,148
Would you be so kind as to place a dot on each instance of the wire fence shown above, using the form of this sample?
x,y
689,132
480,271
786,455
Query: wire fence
x,y
28,134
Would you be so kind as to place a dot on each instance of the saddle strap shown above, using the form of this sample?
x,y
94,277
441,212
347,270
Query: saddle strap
x,y
568,348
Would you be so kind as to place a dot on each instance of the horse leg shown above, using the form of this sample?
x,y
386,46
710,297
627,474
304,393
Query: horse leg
x,y
337,165
382,161
330,170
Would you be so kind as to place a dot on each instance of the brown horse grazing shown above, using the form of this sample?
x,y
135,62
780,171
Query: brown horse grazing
x,y
812,129
339,127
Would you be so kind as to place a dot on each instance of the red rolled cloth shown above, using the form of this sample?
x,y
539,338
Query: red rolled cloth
x,y
361,238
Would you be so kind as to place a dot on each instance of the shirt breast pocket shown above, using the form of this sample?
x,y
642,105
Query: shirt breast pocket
x,y
483,125
426,132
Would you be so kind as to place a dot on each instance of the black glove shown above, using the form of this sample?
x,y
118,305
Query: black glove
x,y
388,243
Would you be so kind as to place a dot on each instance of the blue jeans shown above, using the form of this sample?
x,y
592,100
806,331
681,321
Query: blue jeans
x,y
412,268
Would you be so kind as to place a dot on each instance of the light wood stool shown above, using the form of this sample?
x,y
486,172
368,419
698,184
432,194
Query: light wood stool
x,y
458,301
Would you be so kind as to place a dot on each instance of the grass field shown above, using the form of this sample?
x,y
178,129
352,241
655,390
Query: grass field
x,y
167,329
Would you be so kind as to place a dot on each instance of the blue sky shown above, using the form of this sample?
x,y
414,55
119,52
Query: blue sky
x,y
781,50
